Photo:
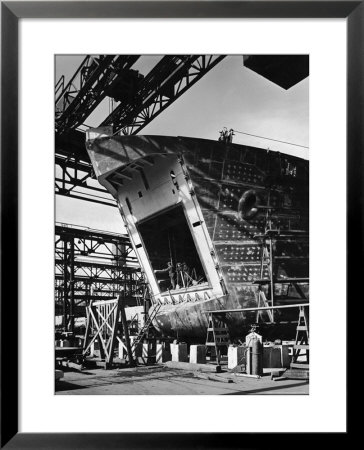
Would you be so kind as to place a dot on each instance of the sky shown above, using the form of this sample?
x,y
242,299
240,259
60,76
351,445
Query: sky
x,y
229,95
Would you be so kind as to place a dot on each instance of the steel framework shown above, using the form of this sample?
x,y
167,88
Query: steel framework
x,y
90,265
166,82
75,178
88,87
141,100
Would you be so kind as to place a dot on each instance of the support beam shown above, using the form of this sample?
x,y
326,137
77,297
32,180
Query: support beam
x,y
98,77
93,264
262,308
164,84
88,87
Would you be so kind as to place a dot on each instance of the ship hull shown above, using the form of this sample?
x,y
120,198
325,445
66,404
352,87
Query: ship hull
x,y
237,216
189,320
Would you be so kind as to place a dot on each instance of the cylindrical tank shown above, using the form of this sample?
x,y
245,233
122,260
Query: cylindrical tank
x,y
254,360
257,357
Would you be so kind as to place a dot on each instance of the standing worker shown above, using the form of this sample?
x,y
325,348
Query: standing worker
x,y
230,136
223,135
186,273
171,272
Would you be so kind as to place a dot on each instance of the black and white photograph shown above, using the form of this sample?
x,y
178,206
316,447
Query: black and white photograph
x,y
181,224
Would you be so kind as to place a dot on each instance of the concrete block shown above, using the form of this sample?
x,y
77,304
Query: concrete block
x,y
286,359
276,356
266,355
198,354
179,352
59,374
148,355
92,350
145,350
95,349
162,354
236,356
121,350
137,350
272,357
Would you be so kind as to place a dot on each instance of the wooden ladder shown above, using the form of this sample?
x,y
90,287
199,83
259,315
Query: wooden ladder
x,y
217,337
300,369
263,302
145,328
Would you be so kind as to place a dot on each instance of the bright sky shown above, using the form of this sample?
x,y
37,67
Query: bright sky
x,y
229,95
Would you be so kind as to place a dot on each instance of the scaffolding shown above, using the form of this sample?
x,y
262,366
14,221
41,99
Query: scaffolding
x,y
92,265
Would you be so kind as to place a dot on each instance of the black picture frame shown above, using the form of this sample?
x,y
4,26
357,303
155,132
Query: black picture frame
x,y
11,12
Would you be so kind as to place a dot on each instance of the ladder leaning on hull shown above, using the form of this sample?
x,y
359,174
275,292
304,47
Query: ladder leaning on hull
x,y
217,337
263,302
143,332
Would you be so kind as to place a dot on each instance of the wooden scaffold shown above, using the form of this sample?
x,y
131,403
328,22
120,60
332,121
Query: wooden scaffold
x,y
106,322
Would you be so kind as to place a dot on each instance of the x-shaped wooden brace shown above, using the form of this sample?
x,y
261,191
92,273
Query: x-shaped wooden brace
x,y
108,346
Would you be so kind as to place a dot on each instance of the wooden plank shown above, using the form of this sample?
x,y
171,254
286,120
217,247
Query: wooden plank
x,y
204,376
247,375
112,340
88,327
280,378
299,365
282,280
193,366
102,347
104,302
106,320
126,331
237,310
95,335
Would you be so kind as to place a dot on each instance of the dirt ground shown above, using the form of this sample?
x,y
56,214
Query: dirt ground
x,y
161,380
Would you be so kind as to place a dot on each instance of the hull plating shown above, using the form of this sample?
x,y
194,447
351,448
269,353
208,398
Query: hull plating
x,y
212,182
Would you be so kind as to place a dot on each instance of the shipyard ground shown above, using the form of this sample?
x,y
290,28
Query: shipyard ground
x,y
160,380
